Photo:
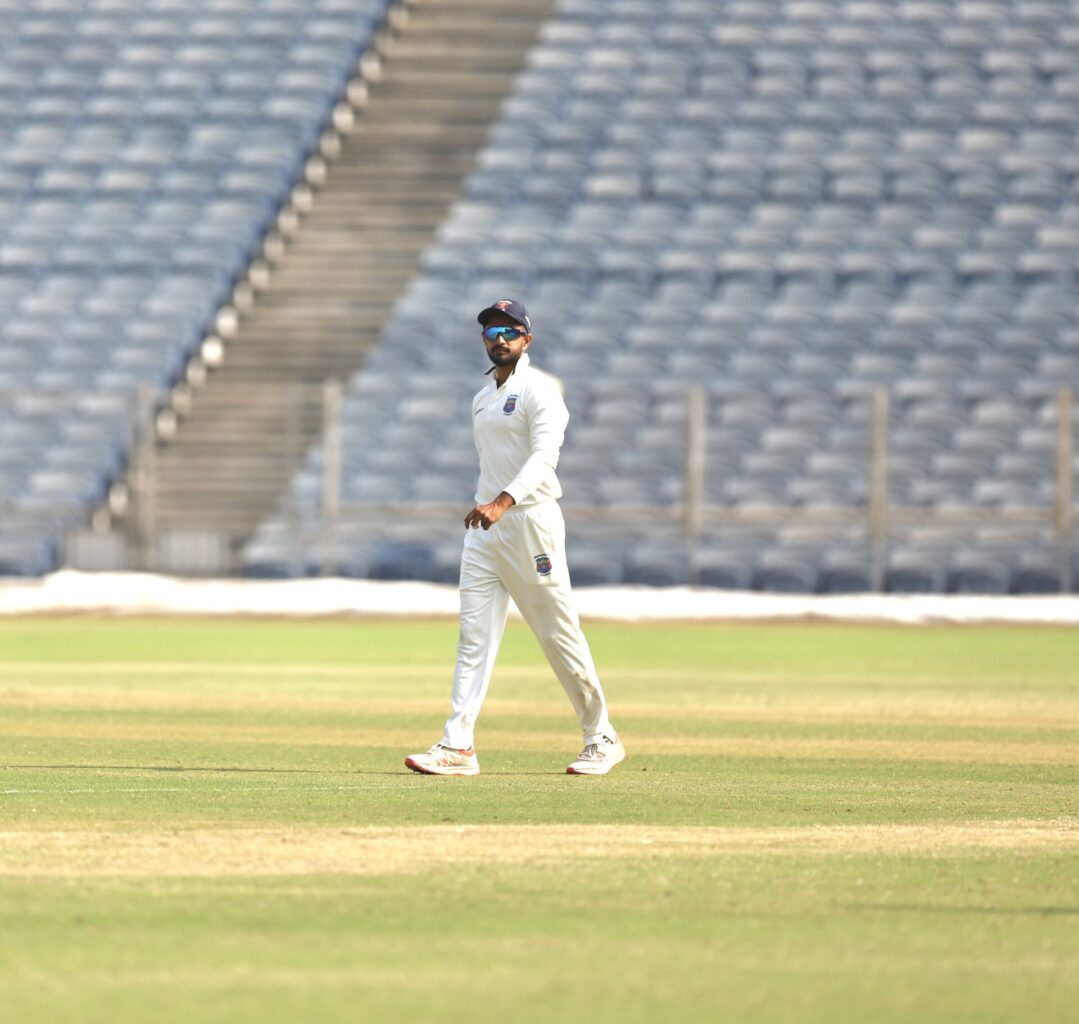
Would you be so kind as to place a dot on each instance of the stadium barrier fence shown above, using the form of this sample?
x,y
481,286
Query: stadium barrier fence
x,y
140,543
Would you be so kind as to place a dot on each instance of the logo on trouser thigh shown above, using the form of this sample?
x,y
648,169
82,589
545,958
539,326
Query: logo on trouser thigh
x,y
543,565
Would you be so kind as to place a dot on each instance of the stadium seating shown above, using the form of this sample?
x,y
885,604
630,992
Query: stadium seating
x,y
792,203
145,149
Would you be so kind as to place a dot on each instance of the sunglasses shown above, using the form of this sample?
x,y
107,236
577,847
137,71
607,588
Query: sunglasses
x,y
503,333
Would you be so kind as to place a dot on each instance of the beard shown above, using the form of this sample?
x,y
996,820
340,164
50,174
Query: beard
x,y
506,358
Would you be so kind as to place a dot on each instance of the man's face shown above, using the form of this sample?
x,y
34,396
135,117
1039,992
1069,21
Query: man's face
x,y
505,350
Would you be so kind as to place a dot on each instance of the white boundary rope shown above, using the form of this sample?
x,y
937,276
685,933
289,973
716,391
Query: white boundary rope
x,y
146,594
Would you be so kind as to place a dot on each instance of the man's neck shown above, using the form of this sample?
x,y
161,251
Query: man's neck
x,y
503,373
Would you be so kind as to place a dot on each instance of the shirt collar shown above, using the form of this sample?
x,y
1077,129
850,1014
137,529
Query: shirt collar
x,y
521,364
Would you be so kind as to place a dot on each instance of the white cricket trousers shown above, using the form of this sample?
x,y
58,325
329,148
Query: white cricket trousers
x,y
522,556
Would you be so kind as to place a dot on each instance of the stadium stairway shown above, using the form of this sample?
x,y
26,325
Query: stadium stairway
x,y
325,295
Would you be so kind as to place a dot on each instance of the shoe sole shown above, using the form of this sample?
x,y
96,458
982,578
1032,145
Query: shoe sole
x,y
576,771
417,767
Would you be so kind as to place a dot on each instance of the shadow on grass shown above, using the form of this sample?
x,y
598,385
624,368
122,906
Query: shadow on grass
x,y
485,774
930,908
179,769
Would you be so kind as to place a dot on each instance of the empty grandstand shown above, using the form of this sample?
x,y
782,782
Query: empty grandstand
x,y
147,149
795,205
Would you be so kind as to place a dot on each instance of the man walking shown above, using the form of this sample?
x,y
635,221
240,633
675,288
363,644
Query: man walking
x,y
515,547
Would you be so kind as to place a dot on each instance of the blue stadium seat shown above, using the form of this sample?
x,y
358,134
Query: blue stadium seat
x,y
29,556
657,564
846,571
786,571
724,568
1037,572
594,565
914,570
401,560
978,571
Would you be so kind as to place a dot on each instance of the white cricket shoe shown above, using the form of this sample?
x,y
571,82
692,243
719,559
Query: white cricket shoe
x,y
440,760
598,758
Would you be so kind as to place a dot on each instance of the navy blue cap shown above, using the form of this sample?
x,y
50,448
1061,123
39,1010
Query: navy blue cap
x,y
511,307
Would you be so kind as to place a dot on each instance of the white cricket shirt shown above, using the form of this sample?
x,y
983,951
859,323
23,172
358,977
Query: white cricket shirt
x,y
518,429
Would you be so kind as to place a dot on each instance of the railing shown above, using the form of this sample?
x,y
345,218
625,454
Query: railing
x,y
694,515
133,500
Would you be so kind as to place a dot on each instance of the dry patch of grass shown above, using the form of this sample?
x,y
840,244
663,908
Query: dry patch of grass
x,y
857,749
154,687
415,849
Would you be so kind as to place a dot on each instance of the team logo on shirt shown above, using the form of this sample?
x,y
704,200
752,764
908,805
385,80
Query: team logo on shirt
x,y
511,404
543,565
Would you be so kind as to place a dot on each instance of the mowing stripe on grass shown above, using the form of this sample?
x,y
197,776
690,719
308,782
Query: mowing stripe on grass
x,y
268,788
443,669
922,709
950,751
405,849
225,668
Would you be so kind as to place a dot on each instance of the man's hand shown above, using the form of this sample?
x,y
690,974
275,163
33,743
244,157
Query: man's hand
x,y
487,515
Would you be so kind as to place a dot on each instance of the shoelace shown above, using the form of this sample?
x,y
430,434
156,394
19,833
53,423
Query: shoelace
x,y
446,754
592,751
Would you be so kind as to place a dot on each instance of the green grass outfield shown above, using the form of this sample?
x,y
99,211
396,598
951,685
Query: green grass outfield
x,y
210,821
